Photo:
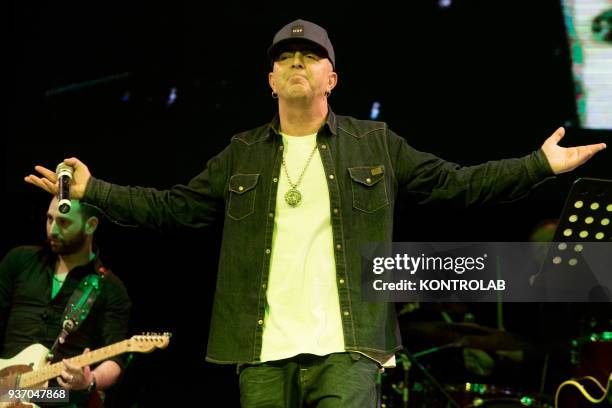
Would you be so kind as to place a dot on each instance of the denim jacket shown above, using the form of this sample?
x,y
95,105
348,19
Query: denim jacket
x,y
366,167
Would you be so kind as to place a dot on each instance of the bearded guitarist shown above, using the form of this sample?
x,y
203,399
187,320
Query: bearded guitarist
x,y
37,283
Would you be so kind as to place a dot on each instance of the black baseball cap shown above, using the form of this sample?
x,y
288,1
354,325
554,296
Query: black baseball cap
x,y
303,31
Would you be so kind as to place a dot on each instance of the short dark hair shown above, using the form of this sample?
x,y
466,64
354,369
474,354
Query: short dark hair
x,y
88,211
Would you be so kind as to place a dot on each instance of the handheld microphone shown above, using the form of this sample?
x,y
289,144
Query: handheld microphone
x,y
64,176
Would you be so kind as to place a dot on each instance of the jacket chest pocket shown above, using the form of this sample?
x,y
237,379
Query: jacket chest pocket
x,y
242,195
368,188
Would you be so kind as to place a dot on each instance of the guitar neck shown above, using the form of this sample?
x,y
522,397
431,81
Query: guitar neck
x,y
44,374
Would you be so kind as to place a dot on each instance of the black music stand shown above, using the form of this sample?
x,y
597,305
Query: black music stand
x,y
571,269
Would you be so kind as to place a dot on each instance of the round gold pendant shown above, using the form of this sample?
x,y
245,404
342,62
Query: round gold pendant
x,y
293,197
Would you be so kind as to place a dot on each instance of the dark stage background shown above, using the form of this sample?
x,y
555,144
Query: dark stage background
x,y
474,81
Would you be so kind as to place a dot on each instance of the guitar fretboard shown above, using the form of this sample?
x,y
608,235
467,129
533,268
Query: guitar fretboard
x,y
28,380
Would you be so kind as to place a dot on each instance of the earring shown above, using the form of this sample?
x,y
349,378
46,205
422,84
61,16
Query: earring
x,y
274,95
327,93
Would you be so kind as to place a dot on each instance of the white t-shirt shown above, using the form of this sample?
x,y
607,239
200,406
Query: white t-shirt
x,y
303,310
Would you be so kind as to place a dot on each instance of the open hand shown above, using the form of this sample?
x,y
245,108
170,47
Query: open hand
x,y
564,159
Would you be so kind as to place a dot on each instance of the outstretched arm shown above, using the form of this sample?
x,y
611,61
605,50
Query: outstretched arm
x,y
197,204
564,159
428,178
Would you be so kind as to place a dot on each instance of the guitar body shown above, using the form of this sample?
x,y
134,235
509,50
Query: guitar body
x,y
29,359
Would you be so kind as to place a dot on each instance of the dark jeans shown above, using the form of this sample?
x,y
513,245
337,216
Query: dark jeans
x,y
336,380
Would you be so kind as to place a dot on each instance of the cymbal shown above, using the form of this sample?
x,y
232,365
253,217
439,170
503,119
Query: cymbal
x,y
464,334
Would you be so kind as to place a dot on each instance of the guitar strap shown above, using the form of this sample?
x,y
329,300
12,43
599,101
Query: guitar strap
x,y
79,305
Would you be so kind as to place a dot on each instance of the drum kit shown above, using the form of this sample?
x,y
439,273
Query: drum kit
x,y
419,381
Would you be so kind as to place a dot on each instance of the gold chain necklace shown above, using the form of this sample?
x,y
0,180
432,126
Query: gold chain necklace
x,y
293,197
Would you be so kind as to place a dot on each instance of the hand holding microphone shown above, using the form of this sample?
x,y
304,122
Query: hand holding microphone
x,y
51,182
64,177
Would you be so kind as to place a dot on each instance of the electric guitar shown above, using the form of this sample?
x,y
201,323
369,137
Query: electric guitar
x,y
30,370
